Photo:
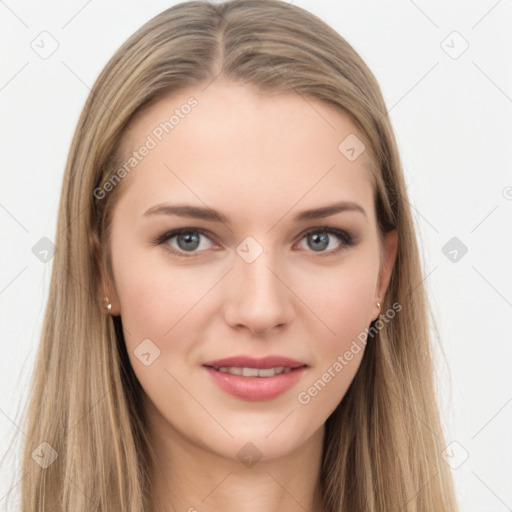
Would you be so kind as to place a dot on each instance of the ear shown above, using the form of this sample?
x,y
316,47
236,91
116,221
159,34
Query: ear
x,y
389,250
105,287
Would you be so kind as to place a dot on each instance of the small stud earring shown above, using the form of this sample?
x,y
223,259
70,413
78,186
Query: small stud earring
x,y
108,304
378,305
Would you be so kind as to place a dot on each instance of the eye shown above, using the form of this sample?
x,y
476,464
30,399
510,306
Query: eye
x,y
321,238
187,241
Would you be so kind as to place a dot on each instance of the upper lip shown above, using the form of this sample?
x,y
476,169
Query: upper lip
x,y
251,362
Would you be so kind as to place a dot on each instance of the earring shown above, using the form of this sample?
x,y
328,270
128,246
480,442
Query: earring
x,y
378,305
108,305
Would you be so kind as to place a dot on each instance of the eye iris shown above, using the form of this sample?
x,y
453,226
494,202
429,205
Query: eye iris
x,y
319,241
189,237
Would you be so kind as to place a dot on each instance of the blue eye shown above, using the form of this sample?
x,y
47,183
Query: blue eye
x,y
188,241
320,239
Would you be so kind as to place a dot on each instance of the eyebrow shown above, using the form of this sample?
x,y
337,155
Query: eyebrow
x,y
209,214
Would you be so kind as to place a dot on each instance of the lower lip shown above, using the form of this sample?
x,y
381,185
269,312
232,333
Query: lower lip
x,y
256,388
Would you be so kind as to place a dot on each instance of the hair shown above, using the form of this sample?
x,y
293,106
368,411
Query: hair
x,y
382,443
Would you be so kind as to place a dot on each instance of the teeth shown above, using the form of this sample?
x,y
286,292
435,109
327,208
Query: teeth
x,y
269,372
254,372
250,372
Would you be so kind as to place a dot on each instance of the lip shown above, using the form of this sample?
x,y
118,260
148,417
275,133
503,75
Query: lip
x,y
251,362
256,388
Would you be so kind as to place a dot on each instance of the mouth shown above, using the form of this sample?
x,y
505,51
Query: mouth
x,y
254,372
255,379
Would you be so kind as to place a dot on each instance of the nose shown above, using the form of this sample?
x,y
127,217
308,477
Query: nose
x,y
259,299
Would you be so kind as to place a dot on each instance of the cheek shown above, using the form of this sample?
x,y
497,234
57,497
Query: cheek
x,y
348,323
340,297
155,296
342,304
158,304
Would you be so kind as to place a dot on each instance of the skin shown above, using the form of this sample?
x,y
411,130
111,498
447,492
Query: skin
x,y
259,159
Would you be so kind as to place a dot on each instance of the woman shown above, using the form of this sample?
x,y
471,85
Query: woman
x,y
236,316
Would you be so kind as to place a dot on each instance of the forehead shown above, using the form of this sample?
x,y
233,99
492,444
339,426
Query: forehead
x,y
233,145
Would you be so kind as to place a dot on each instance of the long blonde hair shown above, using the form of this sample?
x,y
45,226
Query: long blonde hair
x,y
383,442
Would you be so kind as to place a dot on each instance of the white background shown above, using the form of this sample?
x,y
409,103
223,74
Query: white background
x,y
452,118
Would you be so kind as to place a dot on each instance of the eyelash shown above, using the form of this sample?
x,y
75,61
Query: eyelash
x,y
346,239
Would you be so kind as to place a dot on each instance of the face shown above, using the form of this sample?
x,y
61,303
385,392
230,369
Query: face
x,y
260,279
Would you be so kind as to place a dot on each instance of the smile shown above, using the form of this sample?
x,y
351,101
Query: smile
x,y
254,372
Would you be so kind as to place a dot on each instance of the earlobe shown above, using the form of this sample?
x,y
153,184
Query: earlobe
x,y
389,250
105,290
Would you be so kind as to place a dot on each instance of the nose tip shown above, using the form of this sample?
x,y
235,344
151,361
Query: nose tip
x,y
259,301
258,331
